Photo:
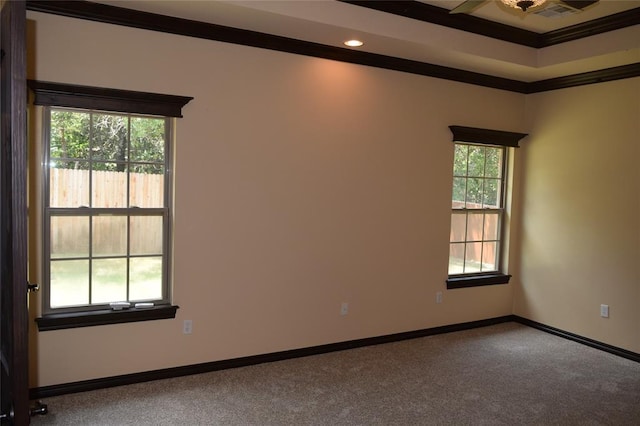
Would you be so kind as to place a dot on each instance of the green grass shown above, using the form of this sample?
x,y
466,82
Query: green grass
x,y
70,281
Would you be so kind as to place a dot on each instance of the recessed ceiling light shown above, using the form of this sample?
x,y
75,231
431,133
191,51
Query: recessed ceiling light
x,y
353,43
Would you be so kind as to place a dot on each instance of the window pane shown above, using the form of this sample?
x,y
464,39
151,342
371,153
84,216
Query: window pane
x,y
146,185
476,161
459,192
109,188
69,283
458,227
491,221
70,133
491,193
108,280
493,162
475,223
472,257
68,183
109,236
489,255
147,139
146,235
145,278
474,193
460,160
69,236
456,258
110,137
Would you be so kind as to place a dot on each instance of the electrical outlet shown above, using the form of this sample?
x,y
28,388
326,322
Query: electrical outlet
x,y
344,308
604,311
439,297
187,327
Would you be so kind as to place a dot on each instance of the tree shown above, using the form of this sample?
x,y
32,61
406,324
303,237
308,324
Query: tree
x,y
70,134
108,141
477,171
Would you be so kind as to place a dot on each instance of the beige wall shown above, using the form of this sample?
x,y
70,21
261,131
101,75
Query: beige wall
x,y
580,230
301,183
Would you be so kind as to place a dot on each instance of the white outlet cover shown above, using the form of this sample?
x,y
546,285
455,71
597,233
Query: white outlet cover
x,y
604,311
344,308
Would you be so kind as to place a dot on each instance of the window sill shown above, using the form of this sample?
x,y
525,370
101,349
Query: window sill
x,y
104,317
476,280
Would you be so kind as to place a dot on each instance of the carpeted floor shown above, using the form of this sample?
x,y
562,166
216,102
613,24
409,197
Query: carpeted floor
x,y
507,374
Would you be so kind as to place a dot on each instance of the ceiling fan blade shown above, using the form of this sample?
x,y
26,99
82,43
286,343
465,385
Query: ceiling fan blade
x,y
579,4
467,6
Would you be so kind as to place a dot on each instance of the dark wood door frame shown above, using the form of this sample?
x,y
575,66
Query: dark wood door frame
x,y
13,215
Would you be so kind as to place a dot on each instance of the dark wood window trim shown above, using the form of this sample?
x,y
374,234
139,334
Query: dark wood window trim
x,y
114,100
104,317
486,136
476,280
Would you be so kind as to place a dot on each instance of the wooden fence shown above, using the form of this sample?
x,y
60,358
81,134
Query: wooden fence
x,y
474,227
70,188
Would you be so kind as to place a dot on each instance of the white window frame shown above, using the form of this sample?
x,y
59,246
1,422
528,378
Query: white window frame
x,y
467,211
90,212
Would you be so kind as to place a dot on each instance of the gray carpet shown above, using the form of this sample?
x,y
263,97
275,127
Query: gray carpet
x,y
507,374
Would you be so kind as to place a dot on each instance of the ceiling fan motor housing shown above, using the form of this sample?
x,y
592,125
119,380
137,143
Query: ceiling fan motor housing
x,y
524,4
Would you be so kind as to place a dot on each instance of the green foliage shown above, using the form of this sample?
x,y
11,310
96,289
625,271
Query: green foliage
x,y
147,139
476,161
110,142
477,171
70,134
460,160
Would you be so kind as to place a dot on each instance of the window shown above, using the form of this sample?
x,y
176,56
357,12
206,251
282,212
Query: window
x,y
107,212
477,209
107,207
478,206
